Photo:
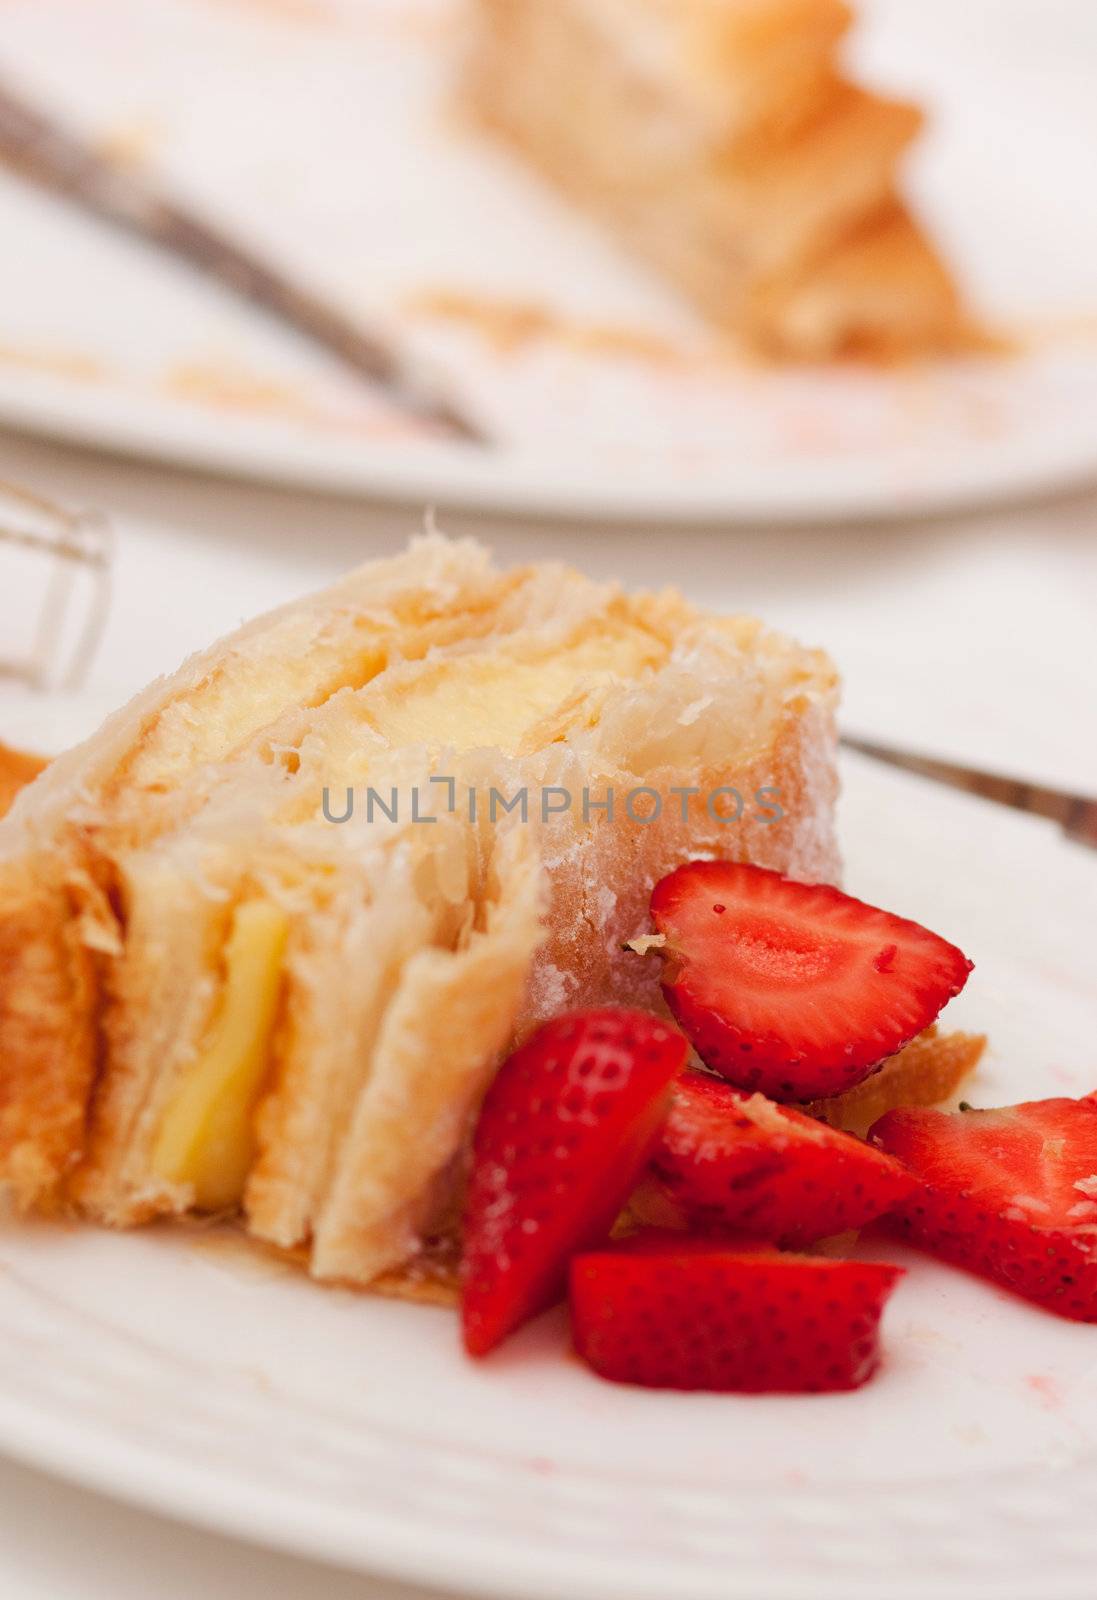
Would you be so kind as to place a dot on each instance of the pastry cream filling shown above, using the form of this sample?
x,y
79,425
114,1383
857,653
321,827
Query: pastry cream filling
x,y
495,699
206,1138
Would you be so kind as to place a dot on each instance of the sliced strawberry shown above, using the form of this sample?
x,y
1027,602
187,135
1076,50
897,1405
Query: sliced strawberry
x,y
733,1160
795,989
564,1132
674,1313
1010,1194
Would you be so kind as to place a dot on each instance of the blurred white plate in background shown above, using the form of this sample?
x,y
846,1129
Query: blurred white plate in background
x,y
323,131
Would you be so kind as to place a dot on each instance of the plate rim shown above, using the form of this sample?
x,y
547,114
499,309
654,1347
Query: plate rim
x,y
851,489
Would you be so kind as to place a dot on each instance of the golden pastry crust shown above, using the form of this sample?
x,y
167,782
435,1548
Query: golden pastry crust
x,y
927,1072
17,769
48,1043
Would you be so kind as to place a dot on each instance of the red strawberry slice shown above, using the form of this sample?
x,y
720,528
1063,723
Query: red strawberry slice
x,y
565,1130
733,1160
1010,1194
795,989
674,1313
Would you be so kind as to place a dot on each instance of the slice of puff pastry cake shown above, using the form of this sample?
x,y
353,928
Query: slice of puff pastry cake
x,y
265,937
720,142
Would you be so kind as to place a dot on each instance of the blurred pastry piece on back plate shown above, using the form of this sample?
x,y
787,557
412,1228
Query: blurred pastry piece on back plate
x,y
720,142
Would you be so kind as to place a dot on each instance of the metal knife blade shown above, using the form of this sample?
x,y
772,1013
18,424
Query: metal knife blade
x,y
33,144
1076,814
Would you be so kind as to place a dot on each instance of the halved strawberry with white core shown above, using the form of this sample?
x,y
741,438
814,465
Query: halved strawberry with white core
x,y
565,1131
738,1161
795,989
1010,1194
669,1312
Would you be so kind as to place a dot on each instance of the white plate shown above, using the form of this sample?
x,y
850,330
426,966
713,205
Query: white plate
x,y
170,1369
323,131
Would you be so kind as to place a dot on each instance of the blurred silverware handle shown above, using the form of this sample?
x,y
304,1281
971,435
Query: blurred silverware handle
x,y
39,148
1075,813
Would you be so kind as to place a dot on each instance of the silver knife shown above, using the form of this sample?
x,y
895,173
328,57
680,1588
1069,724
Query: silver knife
x,y
38,148
1076,814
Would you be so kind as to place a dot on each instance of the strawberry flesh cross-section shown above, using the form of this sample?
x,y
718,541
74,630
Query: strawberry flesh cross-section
x,y
796,990
1010,1194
